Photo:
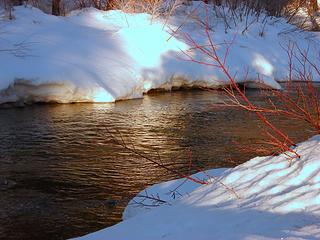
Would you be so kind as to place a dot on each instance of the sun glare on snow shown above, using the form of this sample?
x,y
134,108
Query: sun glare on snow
x,y
263,65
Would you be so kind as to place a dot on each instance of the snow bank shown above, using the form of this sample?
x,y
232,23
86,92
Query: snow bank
x,y
167,192
96,56
275,201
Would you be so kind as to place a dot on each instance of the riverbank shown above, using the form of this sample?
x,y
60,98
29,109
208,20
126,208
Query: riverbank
x,y
264,198
97,56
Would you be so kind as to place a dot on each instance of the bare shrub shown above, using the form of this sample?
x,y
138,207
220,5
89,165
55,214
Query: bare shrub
x,y
136,6
7,6
98,4
298,101
273,7
286,8
130,6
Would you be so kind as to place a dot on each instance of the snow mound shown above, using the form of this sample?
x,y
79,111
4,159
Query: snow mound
x,y
96,56
265,198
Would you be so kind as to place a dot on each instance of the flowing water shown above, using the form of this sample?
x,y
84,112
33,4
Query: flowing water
x,y
62,175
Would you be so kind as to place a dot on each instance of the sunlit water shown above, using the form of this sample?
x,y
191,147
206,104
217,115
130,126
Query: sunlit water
x,y
62,176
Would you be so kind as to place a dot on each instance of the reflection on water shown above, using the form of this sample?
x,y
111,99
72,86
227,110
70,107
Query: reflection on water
x,y
62,176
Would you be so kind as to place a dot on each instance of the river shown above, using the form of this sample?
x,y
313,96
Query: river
x,y
62,175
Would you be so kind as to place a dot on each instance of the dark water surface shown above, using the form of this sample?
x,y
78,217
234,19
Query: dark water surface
x,y
62,176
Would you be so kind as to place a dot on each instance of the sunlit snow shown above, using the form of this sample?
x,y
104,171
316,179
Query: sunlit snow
x,y
263,65
128,54
102,95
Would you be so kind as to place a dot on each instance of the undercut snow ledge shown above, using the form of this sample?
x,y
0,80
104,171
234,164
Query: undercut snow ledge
x,y
97,56
277,201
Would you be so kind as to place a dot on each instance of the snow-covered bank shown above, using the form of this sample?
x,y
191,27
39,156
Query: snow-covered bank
x,y
99,56
275,201
164,193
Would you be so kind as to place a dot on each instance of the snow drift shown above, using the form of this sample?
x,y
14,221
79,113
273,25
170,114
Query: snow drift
x,y
265,198
96,56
